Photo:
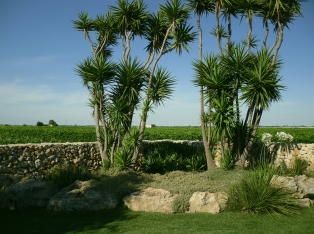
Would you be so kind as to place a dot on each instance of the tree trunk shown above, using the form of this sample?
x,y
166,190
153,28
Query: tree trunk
x,y
280,39
249,35
266,34
229,32
249,145
147,99
217,10
102,148
206,141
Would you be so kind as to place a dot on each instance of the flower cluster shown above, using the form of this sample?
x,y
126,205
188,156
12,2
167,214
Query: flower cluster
x,y
266,138
284,137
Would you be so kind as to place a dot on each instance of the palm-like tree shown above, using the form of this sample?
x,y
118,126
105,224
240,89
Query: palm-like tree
x,y
174,15
130,19
236,61
105,28
97,74
211,75
261,88
201,7
248,9
230,9
219,4
282,12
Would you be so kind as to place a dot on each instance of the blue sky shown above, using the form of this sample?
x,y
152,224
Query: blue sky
x,y
39,50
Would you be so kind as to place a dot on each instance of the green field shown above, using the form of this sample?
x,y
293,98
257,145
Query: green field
x,y
34,134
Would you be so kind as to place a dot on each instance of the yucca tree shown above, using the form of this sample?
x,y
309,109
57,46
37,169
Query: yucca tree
x,y
261,88
236,61
125,94
201,7
223,118
230,9
174,15
104,25
219,4
216,82
249,9
130,20
97,74
282,13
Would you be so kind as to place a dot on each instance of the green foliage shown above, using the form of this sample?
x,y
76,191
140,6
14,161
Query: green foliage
x,y
32,134
122,158
162,157
255,194
65,175
298,167
228,161
197,162
52,123
40,123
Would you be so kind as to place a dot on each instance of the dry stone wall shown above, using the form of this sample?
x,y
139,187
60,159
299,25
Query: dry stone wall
x,y
33,160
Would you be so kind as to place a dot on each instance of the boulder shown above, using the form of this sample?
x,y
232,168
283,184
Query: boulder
x,y
305,202
208,202
81,196
28,193
306,185
151,200
288,183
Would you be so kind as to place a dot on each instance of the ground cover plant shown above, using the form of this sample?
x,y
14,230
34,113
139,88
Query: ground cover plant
x,y
62,134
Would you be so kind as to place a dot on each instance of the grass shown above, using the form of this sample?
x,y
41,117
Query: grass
x,y
122,220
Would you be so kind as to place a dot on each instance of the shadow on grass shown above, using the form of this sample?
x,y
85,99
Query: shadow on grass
x,y
40,220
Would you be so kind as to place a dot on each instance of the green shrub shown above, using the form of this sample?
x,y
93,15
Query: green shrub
x,y
153,163
299,166
65,175
122,159
254,194
197,162
228,161
40,123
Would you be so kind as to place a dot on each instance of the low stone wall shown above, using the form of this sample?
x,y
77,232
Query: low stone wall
x,y
33,160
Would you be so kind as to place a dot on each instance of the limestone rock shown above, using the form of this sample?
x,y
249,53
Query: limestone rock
x,y
151,200
305,202
81,196
208,202
28,193
306,185
285,182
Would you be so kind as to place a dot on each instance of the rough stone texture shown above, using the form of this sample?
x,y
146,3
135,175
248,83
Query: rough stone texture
x,y
301,186
306,185
305,202
34,160
151,200
28,193
288,183
81,196
208,202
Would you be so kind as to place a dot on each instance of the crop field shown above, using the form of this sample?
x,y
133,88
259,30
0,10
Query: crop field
x,y
35,134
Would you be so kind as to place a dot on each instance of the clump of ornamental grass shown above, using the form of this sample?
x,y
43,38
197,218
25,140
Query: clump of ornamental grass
x,y
66,174
255,194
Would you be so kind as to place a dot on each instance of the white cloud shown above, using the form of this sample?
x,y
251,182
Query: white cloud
x,y
21,103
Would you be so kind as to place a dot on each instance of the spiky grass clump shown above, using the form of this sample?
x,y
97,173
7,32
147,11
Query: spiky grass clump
x,y
65,175
299,166
255,194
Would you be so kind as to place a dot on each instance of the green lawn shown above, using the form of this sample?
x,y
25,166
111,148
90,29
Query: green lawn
x,y
122,220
